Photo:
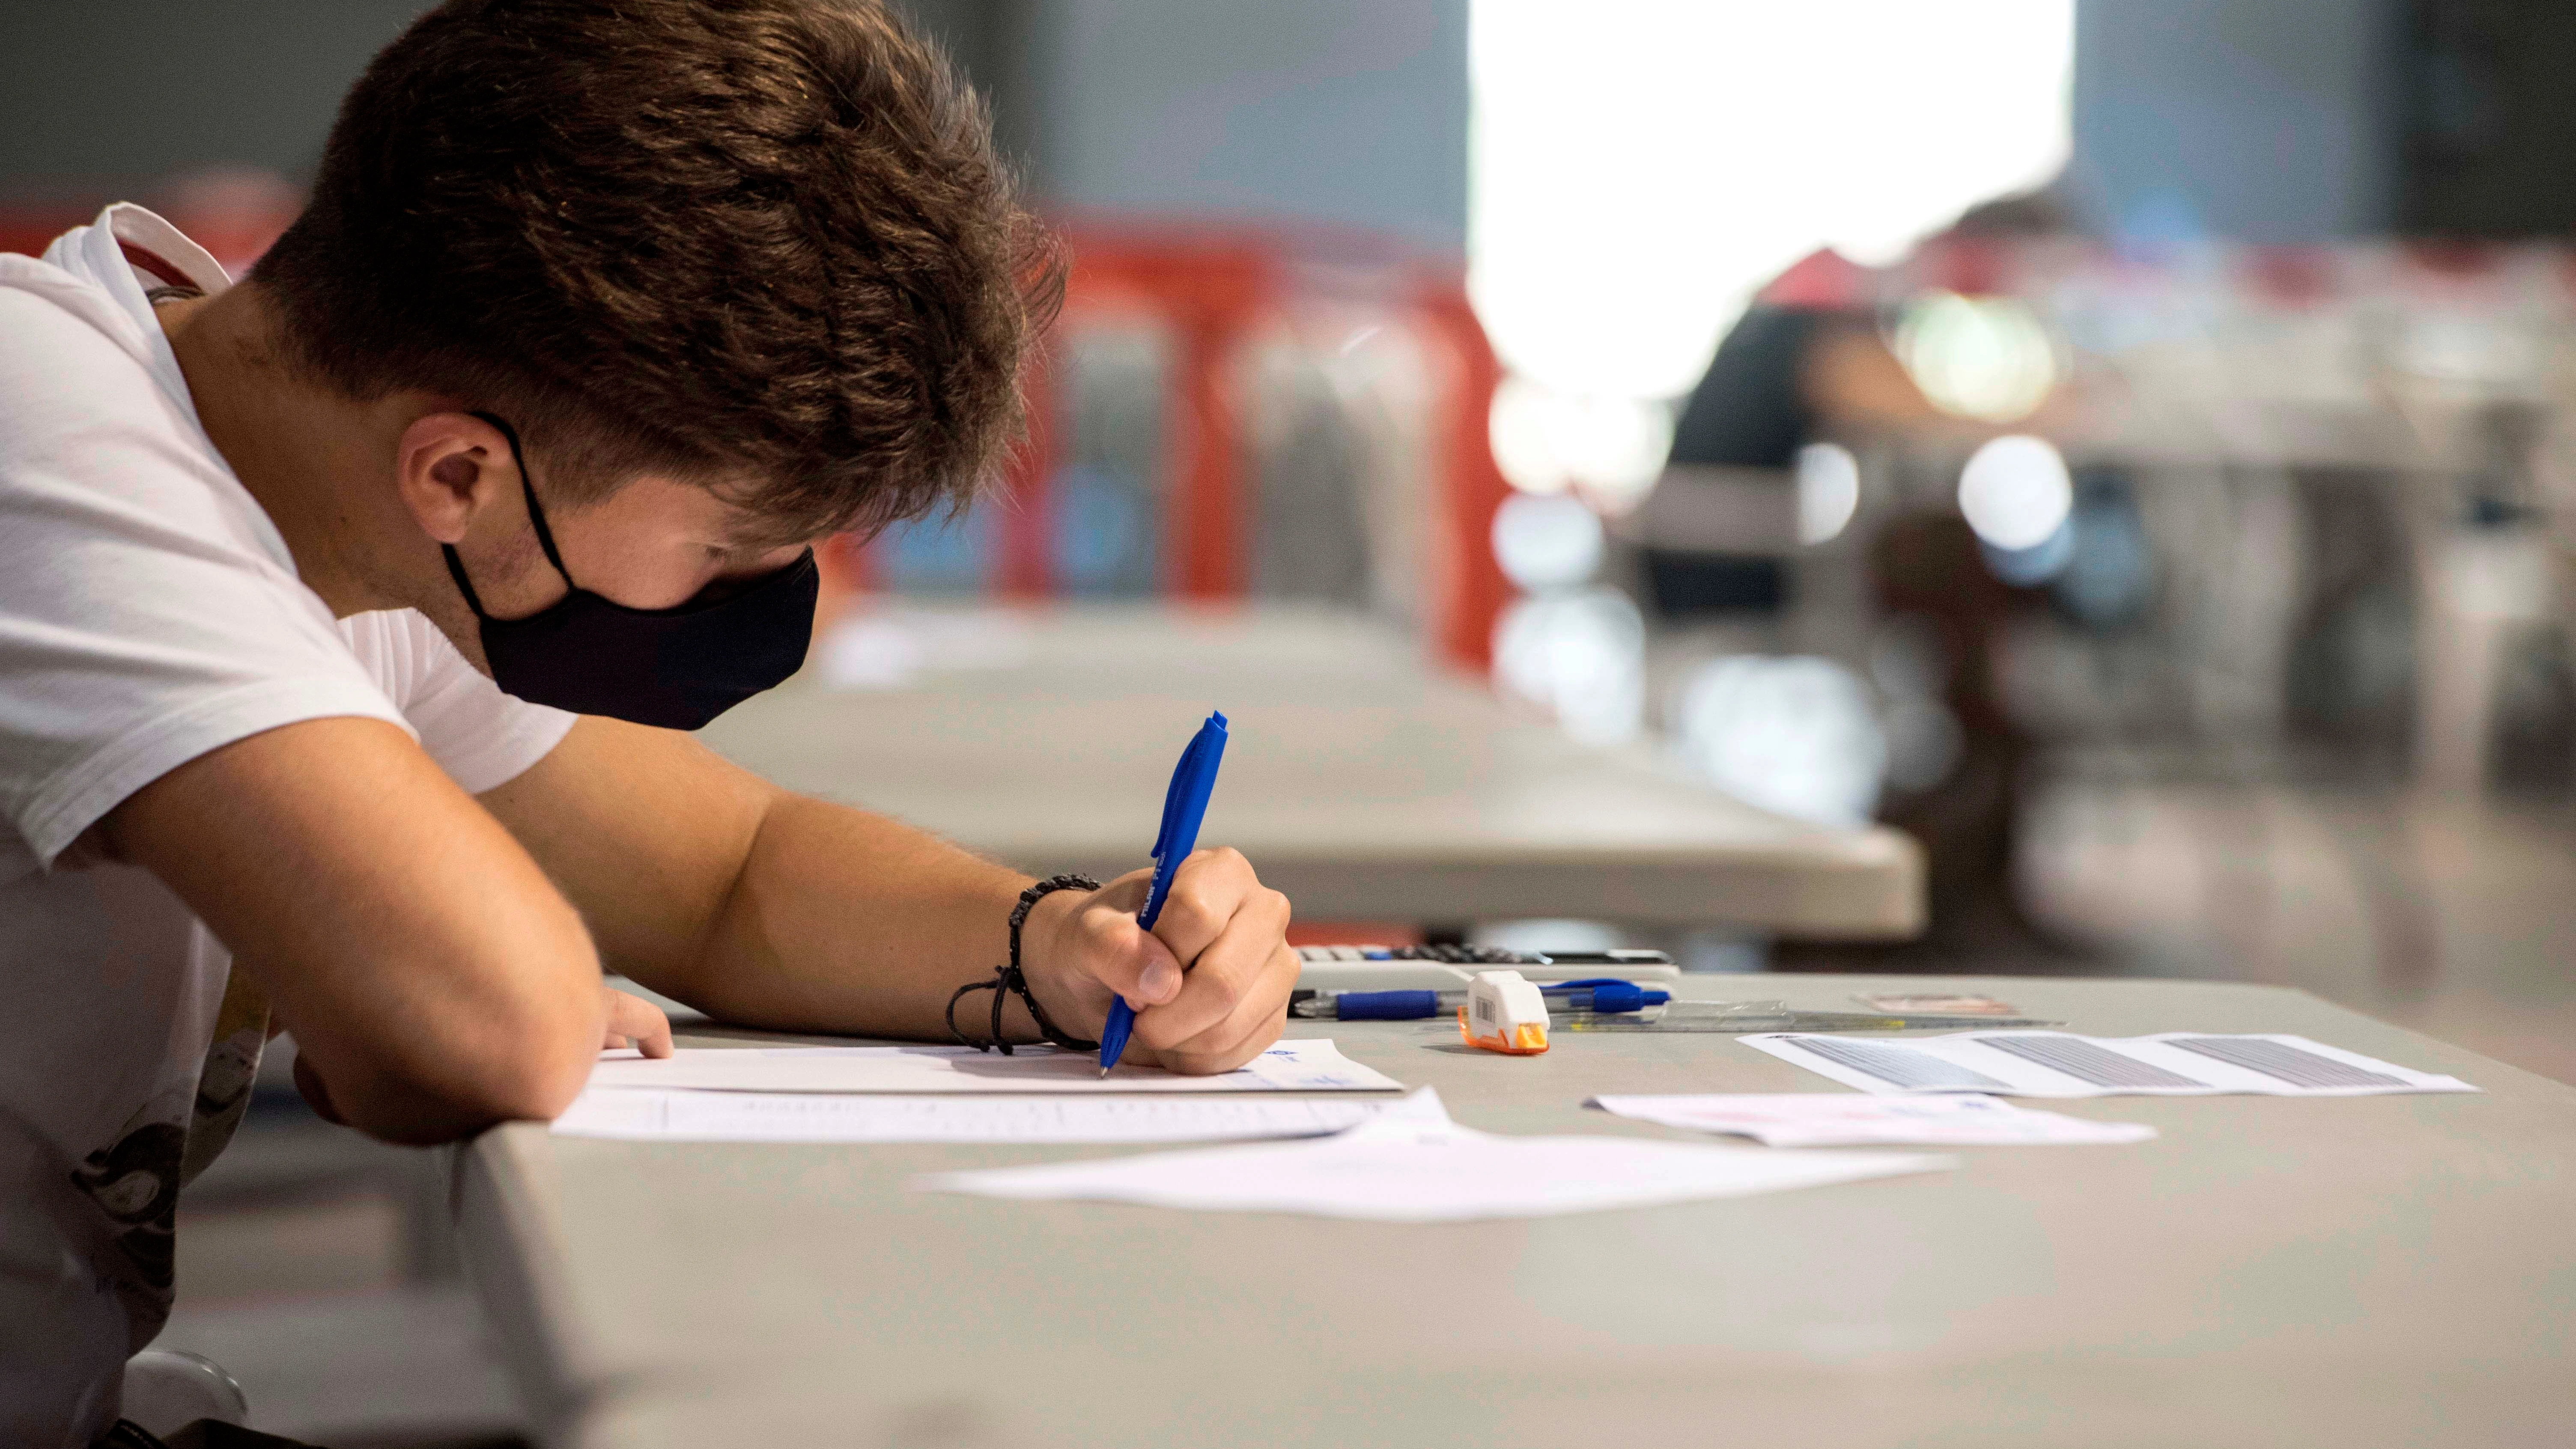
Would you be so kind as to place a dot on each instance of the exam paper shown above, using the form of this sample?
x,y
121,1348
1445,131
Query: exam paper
x,y
1840,1119
1412,1166
2055,1064
643,1114
1290,1066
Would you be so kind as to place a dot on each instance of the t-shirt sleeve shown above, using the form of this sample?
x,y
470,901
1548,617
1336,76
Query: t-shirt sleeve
x,y
147,615
480,736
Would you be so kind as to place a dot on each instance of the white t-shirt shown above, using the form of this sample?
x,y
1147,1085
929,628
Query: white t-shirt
x,y
149,613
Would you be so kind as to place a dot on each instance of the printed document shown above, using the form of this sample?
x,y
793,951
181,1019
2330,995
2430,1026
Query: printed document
x,y
1414,1165
1289,1066
2055,1064
1841,1119
644,1114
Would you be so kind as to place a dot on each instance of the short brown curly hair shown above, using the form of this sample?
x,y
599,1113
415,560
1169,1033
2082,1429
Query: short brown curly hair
x,y
761,245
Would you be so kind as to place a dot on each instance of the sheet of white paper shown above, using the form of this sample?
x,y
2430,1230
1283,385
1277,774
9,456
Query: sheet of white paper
x,y
643,1114
1290,1066
2056,1064
1410,1166
1840,1119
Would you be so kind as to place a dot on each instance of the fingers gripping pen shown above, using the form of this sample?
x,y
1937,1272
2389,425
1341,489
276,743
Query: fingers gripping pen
x,y
1184,806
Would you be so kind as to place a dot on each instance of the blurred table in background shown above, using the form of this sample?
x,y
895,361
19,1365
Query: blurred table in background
x,y
1361,779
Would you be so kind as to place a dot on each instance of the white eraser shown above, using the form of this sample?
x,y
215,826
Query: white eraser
x,y
1504,1013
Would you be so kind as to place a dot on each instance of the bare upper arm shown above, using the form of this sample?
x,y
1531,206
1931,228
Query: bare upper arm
x,y
646,830
420,957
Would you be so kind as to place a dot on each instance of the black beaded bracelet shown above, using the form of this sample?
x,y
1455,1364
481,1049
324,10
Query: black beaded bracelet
x,y
1010,979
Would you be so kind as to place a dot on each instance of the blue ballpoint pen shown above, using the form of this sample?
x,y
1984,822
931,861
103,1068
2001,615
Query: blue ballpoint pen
x,y
1184,806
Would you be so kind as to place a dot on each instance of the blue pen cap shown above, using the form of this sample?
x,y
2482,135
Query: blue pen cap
x,y
1386,1005
1609,994
1617,996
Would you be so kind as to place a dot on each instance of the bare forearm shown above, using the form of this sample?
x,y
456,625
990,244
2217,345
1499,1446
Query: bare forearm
x,y
844,921
710,885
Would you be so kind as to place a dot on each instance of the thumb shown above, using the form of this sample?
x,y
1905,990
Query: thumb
x,y
1131,960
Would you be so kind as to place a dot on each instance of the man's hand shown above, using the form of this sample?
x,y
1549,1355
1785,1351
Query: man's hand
x,y
1210,982
635,1022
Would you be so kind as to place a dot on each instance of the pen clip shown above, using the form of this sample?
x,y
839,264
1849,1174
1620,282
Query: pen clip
x,y
1191,782
1177,792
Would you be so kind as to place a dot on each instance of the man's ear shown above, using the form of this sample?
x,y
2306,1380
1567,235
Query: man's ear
x,y
449,467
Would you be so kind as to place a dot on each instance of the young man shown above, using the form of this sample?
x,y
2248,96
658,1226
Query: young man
x,y
602,311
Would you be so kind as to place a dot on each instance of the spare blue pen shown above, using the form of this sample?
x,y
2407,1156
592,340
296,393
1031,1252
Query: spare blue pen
x,y
1601,996
1184,806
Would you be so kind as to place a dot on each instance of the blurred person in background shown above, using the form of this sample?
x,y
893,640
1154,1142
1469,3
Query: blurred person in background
x,y
1807,363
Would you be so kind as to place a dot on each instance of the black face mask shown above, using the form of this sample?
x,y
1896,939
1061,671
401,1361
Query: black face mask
x,y
677,668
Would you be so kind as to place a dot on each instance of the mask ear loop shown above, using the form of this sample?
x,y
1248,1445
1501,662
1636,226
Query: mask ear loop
x,y
527,485
464,585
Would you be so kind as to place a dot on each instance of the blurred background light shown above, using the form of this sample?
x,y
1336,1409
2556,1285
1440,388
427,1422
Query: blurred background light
x,y
1522,449
1828,491
1637,169
1610,446
1546,541
1985,358
2015,492
1795,736
1581,655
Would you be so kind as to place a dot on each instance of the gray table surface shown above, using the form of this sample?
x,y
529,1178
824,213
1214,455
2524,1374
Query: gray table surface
x,y
2268,1272
1360,779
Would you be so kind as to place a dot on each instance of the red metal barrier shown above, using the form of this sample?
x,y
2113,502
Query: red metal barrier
x,y
1208,294
1471,593
1211,292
